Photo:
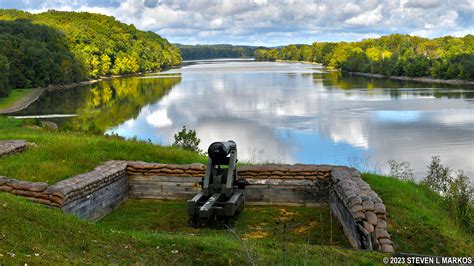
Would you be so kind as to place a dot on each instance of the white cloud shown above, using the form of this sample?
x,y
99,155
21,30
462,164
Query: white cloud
x,y
278,22
422,3
351,8
159,118
369,18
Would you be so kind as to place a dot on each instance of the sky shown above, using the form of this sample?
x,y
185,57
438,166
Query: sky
x,y
274,23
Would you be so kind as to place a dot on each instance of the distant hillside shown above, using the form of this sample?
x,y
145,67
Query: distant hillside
x,y
194,52
62,47
392,55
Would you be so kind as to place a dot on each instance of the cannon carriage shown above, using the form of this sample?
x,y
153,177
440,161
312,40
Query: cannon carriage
x,y
222,194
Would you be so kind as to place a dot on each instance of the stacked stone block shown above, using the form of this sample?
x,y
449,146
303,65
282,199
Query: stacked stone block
x,y
8,147
158,169
365,206
34,191
286,171
82,185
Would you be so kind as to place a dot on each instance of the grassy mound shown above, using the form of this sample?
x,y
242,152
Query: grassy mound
x,y
33,233
418,221
60,155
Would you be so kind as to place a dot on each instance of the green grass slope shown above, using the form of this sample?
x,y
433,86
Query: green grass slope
x,y
417,220
34,234
60,155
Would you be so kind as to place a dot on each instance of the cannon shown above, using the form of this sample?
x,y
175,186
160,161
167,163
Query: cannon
x,y
222,193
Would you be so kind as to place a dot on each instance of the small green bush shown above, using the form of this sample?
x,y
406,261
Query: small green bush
x,y
401,170
438,177
187,140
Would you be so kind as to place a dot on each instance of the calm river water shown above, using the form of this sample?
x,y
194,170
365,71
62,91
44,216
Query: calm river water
x,y
282,112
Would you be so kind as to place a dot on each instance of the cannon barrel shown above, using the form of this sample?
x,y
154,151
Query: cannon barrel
x,y
220,149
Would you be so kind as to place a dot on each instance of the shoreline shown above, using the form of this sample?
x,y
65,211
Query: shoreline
x,y
419,79
23,102
35,93
380,76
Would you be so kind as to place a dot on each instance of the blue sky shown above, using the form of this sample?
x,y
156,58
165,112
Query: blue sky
x,y
272,23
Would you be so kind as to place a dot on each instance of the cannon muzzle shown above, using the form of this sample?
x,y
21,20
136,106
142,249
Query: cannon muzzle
x,y
220,150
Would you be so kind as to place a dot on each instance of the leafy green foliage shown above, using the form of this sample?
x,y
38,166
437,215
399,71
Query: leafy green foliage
x,y
401,170
193,52
460,198
438,177
34,55
187,140
396,55
62,47
4,76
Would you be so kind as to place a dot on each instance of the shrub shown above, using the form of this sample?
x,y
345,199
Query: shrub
x,y
459,198
457,191
401,170
187,140
438,177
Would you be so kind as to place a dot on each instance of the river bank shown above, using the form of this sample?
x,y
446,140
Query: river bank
x,y
23,102
402,78
35,93
420,79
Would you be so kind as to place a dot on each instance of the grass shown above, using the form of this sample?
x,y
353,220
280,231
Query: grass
x,y
34,234
305,225
14,96
60,155
418,221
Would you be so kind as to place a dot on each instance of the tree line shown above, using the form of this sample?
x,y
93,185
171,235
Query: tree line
x,y
195,52
57,47
394,55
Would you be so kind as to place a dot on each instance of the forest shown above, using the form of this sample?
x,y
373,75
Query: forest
x,y
393,55
58,47
195,52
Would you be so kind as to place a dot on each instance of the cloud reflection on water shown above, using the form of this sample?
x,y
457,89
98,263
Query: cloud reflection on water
x,y
291,112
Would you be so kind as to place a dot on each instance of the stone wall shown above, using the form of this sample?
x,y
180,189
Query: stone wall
x,y
35,191
368,216
278,184
286,171
92,195
89,196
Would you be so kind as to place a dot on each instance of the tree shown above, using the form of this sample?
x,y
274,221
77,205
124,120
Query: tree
x,y
187,140
4,79
398,55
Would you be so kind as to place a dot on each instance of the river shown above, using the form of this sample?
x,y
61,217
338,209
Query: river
x,y
281,113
